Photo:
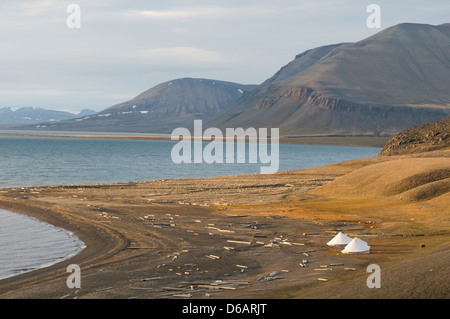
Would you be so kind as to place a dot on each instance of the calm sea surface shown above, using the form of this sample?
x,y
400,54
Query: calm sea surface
x,y
34,161
27,244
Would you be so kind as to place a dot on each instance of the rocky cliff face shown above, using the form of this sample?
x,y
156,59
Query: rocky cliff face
x,y
421,138
300,111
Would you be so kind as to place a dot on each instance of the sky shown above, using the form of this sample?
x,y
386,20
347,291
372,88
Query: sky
x,y
123,48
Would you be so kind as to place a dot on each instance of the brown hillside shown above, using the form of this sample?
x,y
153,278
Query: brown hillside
x,y
418,139
414,178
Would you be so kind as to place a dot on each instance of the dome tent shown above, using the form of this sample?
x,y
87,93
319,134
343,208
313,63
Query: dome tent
x,y
356,246
339,240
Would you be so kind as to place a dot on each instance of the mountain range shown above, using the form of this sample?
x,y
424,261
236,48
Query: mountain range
x,y
13,116
162,108
395,79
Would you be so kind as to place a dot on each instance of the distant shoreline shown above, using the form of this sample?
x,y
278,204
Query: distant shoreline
x,y
357,141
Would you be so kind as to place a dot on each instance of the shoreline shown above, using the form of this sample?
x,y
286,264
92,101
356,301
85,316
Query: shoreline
x,y
135,231
99,242
80,246
311,140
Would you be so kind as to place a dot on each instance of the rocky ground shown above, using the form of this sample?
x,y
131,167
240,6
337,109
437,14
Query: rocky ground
x,y
421,138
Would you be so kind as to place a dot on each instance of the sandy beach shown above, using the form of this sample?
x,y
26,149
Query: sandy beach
x,y
250,236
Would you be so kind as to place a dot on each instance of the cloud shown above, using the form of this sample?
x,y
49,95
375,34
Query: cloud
x,y
30,8
222,12
31,13
180,55
127,46
181,13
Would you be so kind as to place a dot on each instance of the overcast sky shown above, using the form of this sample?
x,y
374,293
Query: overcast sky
x,y
126,47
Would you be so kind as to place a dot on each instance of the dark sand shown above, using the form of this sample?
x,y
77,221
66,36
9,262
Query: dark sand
x,y
244,236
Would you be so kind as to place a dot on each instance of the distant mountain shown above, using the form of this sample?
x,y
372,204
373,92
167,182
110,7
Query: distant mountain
x,y
391,81
85,112
420,138
162,108
12,116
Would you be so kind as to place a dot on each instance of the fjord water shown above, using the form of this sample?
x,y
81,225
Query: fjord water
x,y
42,161
27,244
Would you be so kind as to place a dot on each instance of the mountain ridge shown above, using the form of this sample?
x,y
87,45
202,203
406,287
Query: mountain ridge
x,y
378,86
27,115
163,107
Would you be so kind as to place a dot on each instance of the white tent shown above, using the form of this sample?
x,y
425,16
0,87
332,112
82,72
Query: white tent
x,y
356,246
339,239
